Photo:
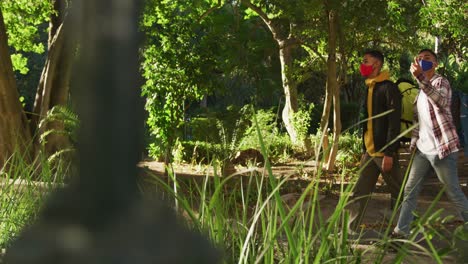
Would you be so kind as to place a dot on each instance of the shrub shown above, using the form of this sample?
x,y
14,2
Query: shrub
x,y
277,144
349,150
203,129
215,135
201,151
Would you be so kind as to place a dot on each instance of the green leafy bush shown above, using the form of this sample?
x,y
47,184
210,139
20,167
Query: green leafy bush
x,y
201,151
204,129
178,152
221,136
301,122
65,116
61,121
277,144
349,150
215,135
456,72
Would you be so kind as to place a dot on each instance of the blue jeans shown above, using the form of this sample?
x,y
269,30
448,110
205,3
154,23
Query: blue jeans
x,y
446,170
464,120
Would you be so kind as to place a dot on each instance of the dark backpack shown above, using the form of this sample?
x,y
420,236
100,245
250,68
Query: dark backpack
x,y
408,91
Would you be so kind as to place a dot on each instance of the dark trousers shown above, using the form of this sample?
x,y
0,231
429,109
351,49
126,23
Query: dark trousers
x,y
371,168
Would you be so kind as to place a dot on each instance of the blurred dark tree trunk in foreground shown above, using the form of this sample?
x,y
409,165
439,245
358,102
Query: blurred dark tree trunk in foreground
x,y
100,217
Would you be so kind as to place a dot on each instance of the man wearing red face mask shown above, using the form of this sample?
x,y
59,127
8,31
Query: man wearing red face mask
x,y
382,109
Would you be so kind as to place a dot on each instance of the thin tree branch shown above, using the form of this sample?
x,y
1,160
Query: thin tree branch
x,y
263,16
209,11
314,49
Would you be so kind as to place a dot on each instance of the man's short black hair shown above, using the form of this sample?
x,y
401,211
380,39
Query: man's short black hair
x,y
376,54
430,51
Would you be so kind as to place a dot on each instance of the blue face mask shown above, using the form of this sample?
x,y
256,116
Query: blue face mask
x,y
425,65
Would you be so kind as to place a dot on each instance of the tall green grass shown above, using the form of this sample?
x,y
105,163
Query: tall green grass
x,y
247,216
24,187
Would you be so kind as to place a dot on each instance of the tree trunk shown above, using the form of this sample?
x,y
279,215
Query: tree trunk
x,y
334,88
290,92
286,44
14,128
343,62
53,88
323,141
332,95
56,19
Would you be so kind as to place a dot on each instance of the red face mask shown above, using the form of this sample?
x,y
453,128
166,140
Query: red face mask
x,y
365,70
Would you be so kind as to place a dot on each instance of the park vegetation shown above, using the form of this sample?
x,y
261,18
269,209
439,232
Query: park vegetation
x,y
223,77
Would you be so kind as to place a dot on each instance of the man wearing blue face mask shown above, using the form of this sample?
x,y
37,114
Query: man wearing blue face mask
x,y
435,141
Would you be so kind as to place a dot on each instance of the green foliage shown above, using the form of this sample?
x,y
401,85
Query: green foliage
x,y
23,20
172,58
67,117
252,223
26,24
24,186
18,208
70,124
188,55
447,20
218,133
301,121
277,144
218,126
178,152
456,72
204,129
155,150
282,9
350,112
228,56
20,63
210,140
221,136
202,152
21,99
349,150
389,26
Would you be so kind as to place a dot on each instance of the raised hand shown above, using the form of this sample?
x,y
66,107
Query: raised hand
x,y
415,68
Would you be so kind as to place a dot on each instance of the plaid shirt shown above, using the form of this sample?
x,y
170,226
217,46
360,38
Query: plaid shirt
x,y
439,96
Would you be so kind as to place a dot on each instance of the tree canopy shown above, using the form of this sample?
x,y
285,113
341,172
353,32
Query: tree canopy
x,y
209,55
